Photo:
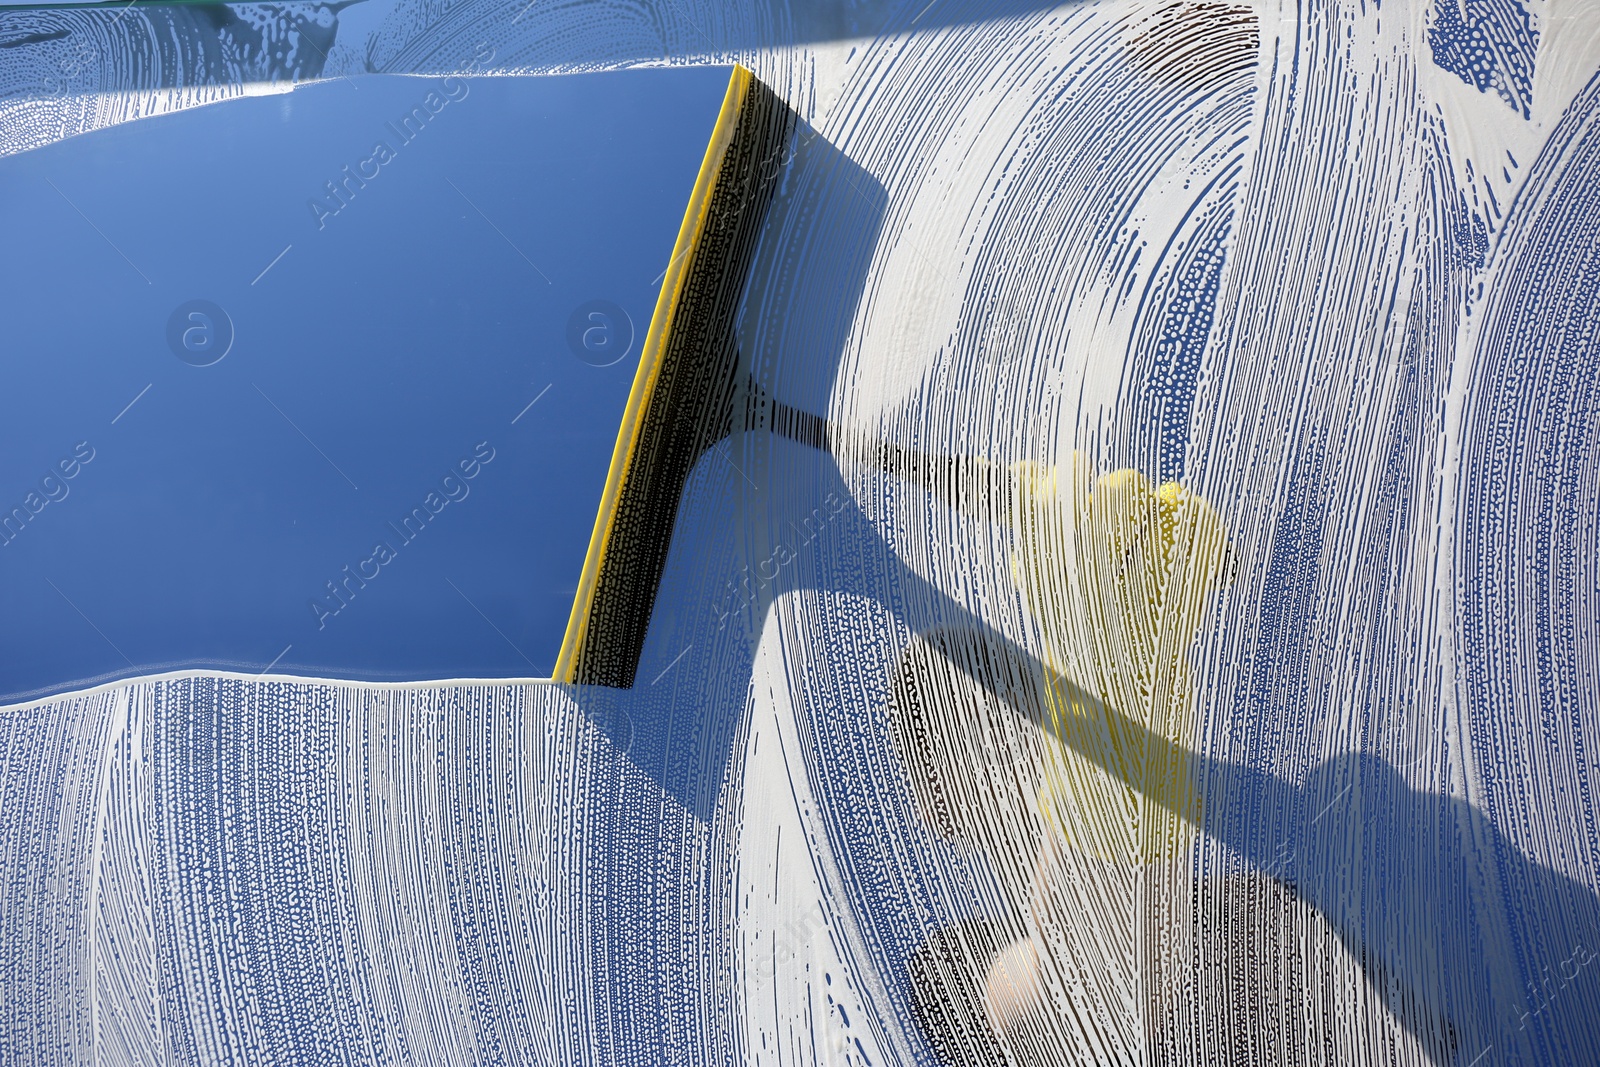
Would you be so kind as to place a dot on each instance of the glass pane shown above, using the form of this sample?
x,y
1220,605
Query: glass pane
x,y
1099,566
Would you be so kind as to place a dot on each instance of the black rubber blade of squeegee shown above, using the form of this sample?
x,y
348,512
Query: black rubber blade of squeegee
x,y
698,389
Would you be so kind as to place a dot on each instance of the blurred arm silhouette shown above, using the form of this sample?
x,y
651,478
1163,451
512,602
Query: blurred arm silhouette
x,y
1481,951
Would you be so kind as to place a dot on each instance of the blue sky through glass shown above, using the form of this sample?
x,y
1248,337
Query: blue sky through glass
x,y
399,260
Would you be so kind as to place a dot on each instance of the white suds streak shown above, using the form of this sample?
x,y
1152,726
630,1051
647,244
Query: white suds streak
x,y
420,871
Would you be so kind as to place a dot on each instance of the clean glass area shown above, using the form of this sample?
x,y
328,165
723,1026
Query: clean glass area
x,y
328,380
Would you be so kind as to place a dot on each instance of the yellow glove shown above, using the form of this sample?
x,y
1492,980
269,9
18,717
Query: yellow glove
x,y
1115,574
